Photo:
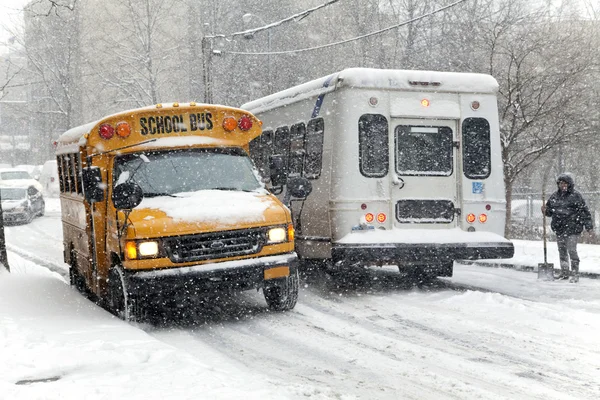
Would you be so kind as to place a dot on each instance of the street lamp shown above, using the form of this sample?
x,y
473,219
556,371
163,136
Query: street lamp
x,y
247,18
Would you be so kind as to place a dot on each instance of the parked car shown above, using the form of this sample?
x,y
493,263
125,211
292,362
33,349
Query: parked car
x,y
18,177
34,170
21,204
49,179
527,220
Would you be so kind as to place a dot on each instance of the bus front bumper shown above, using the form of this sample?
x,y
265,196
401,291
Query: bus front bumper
x,y
235,275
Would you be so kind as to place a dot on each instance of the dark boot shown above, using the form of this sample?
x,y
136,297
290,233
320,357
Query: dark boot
x,y
574,272
564,271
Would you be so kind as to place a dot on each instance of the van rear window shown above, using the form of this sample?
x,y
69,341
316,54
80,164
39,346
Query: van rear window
x,y
476,148
373,145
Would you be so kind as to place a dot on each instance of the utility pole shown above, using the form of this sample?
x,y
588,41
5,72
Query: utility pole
x,y
3,256
206,68
208,51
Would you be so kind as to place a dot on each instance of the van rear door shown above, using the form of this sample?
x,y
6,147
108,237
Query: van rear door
x,y
424,173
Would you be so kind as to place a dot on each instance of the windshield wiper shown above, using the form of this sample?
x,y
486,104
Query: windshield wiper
x,y
152,194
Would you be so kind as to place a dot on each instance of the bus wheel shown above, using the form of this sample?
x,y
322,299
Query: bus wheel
x,y
283,297
75,278
120,301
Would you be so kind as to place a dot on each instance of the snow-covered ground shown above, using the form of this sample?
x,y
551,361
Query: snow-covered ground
x,y
486,333
531,253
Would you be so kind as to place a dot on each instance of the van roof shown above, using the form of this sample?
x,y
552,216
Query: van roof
x,y
384,79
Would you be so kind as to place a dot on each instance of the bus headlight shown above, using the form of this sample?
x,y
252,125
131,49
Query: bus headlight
x,y
145,249
148,249
276,235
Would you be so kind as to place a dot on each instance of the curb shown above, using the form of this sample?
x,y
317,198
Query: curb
x,y
522,268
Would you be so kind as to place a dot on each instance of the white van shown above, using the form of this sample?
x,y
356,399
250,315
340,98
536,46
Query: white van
x,y
405,167
49,179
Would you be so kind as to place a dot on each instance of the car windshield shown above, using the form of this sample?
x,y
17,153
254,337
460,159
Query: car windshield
x,y
12,193
164,173
9,175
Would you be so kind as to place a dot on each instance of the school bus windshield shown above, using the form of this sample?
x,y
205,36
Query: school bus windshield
x,y
168,173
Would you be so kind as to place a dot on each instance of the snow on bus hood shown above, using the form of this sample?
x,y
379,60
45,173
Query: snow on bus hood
x,y
206,210
455,235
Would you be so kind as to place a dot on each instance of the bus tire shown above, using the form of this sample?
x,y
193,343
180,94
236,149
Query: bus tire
x,y
283,297
121,302
75,278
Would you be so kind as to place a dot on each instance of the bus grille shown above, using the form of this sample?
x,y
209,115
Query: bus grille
x,y
214,245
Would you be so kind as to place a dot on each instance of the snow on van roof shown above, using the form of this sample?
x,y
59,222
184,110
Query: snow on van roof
x,y
385,79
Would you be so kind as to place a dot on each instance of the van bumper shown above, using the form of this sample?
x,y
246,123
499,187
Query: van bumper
x,y
235,275
419,253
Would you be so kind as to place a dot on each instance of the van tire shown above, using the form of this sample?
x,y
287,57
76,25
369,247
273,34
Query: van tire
x,y
283,296
121,302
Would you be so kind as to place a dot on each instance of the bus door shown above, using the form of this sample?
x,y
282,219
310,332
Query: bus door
x,y
424,171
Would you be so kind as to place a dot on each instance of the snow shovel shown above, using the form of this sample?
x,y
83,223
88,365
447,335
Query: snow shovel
x,y
545,270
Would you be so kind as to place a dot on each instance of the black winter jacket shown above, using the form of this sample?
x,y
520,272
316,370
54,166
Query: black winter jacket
x,y
568,210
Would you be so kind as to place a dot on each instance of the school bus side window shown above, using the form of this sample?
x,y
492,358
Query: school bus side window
x,y
476,148
297,134
76,188
59,164
313,144
69,173
373,145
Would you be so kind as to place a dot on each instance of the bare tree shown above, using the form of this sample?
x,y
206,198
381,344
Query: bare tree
x,y
541,62
135,51
51,47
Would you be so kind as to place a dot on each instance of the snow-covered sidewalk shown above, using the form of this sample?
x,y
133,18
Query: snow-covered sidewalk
x,y
528,254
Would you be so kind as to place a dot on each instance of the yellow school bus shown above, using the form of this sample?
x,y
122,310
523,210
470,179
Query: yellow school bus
x,y
162,204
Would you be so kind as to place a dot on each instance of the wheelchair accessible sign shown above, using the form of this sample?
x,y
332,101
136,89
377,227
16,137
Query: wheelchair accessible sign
x,y
478,187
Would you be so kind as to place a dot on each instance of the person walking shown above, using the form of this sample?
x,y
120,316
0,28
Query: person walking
x,y
569,215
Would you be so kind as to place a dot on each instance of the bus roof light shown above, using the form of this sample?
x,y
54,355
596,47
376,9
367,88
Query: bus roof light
x,y
245,123
229,123
106,131
425,103
123,129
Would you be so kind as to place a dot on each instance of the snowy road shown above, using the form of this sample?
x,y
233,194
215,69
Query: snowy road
x,y
486,333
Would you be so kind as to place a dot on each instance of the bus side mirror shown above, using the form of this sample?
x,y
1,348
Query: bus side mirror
x,y
277,170
127,195
92,184
298,188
